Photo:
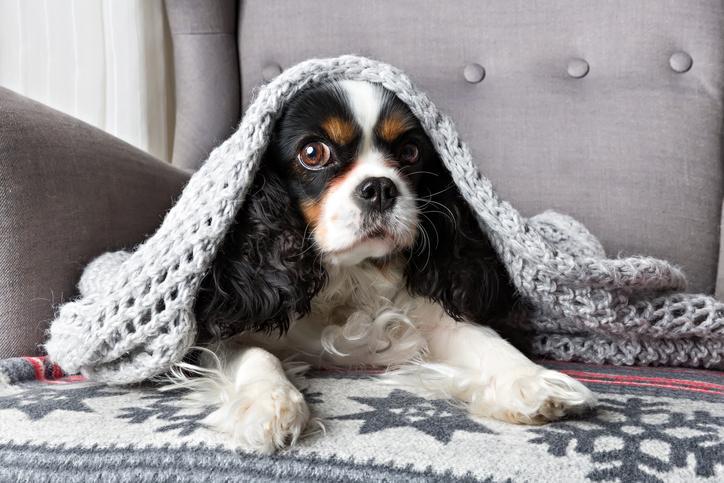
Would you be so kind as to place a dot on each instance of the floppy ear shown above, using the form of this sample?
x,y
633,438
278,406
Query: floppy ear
x,y
453,261
266,270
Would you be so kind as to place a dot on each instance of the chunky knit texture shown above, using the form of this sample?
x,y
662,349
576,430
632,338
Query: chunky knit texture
x,y
135,315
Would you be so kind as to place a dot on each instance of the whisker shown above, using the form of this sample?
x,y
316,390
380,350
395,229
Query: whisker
x,y
311,238
449,212
422,172
437,234
425,239
446,188
429,250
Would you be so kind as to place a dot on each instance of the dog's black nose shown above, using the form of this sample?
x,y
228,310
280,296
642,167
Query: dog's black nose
x,y
376,194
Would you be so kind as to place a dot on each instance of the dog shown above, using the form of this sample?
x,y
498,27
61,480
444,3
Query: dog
x,y
354,248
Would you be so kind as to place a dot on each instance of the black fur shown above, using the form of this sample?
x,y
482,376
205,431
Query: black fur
x,y
266,270
456,265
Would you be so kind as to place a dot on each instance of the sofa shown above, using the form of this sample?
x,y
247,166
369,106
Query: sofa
x,y
610,111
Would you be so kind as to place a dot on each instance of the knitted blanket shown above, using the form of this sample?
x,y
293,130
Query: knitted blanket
x,y
135,314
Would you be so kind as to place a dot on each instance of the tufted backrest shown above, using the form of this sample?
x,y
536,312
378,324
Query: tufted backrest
x,y
608,110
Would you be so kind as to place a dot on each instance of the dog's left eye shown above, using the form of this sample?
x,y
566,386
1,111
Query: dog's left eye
x,y
409,153
314,155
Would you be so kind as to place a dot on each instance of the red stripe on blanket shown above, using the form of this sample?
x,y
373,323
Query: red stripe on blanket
x,y
653,380
644,384
682,370
68,380
37,363
57,371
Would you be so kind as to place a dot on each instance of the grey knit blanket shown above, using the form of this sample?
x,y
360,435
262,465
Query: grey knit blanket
x,y
135,315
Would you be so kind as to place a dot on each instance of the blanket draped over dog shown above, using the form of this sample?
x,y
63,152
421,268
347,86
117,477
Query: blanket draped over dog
x,y
135,315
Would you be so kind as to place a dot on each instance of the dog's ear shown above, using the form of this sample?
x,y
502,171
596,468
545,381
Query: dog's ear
x,y
266,271
453,261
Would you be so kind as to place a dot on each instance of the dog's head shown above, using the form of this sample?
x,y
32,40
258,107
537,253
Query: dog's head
x,y
355,159
350,177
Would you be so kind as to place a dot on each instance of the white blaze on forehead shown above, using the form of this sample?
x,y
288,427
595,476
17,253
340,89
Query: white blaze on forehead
x,y
365,100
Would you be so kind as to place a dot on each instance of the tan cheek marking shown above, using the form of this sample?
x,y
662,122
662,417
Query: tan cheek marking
x,y
339,130
390,128
312,211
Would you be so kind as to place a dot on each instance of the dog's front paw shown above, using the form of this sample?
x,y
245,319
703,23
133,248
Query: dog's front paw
x,y
263,415
533,396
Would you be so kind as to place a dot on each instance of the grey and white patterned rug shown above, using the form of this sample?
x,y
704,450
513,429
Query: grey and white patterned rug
x,y
651,425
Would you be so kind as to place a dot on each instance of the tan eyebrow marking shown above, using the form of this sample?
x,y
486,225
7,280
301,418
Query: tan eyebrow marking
x,y
339,130
392,127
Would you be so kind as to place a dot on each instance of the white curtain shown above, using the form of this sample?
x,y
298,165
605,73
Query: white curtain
x,y
107,62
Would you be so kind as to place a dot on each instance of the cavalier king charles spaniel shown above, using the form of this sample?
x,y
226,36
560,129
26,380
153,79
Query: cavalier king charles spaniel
x,y
355,249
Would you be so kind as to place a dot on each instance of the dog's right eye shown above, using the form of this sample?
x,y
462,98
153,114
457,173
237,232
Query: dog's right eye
x,y
314,155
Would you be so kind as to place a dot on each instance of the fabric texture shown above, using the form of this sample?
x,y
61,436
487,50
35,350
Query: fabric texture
x,y
633,149
18,370
136,317
68,193
653,425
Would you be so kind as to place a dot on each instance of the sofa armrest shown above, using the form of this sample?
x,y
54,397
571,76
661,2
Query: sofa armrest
x,y
68,192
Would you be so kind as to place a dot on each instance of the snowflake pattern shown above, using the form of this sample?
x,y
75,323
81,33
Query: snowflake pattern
x,y
312,397
400,409
39,401
628,438
167,406
633,439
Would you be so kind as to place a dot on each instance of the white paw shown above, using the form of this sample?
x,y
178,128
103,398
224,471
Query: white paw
x,y
533,396
262,415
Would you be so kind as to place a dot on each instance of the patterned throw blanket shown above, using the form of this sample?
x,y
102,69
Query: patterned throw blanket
x,y
135,316
653,425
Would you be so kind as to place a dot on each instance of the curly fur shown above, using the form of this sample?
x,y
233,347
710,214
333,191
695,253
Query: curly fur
x,y
267,248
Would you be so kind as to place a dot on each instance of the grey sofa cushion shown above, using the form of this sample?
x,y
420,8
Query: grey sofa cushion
x,y
632,148
68,192
207,76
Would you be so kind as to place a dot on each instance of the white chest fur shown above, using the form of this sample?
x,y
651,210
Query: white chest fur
x,y
363,317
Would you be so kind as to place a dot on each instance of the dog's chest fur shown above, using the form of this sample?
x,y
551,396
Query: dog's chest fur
x,y
364,316
368,287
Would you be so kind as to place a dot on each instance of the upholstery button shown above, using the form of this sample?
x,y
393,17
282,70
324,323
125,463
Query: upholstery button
x,y
474,73
577,68
681,62
270,71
